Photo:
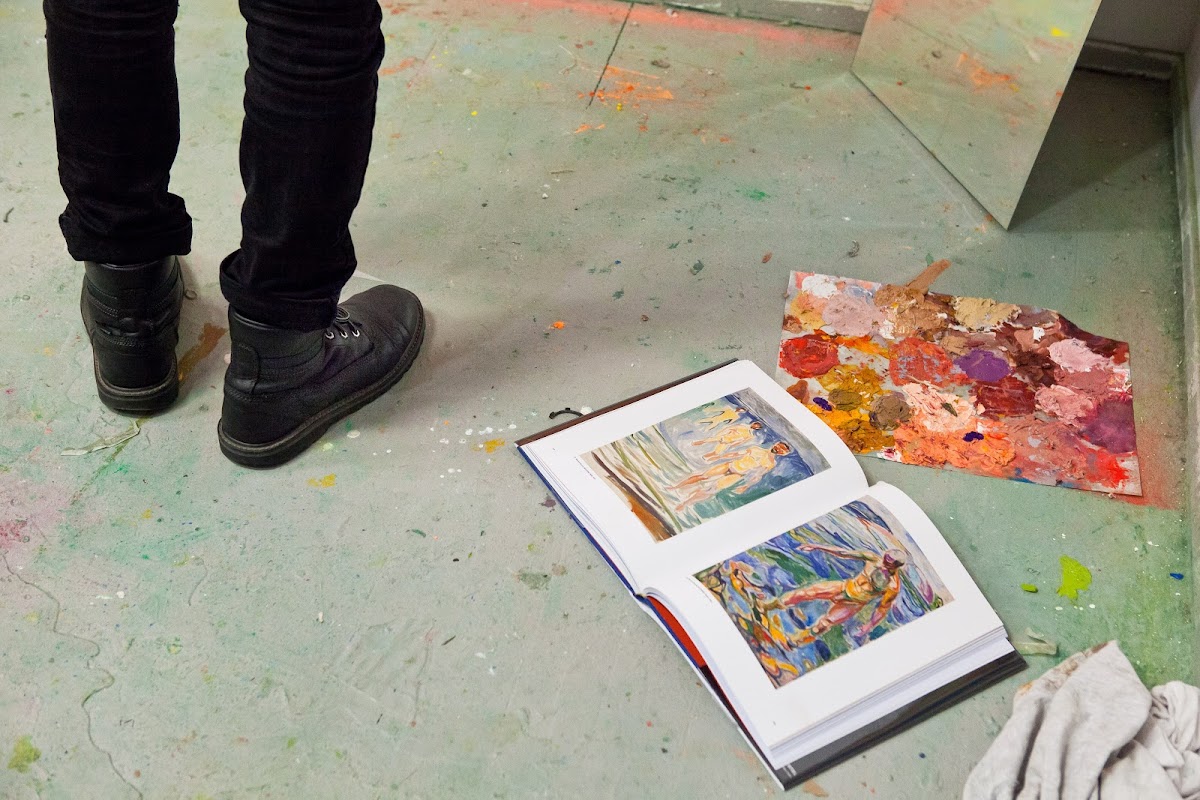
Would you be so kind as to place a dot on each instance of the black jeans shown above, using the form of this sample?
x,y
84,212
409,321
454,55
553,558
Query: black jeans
x,y
309,112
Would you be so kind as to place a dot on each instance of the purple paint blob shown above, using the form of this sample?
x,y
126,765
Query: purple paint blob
x,y
1111,426
823,403
973,436
983,365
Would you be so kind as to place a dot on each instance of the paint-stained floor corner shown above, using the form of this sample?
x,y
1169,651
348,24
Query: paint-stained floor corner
x,y
402,612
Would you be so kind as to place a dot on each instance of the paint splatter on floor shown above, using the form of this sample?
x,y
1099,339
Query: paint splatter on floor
x,y
1075,578
323,483
24,754
209,336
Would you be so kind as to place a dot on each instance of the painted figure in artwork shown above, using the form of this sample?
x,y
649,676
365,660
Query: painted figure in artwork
x,y
746,467
878,580
730,437
723,417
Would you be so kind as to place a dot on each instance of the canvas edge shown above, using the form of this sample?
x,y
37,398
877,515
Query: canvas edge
x,y
850,16
1186,134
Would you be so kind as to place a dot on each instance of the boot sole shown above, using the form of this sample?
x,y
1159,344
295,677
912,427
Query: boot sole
x,y
285,448
145,400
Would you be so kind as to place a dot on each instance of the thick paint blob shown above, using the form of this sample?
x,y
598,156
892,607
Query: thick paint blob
x,y
808,356
983,365
916,360
1111,426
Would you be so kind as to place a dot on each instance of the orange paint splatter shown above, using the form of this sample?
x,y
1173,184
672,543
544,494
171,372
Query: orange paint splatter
x,y
627,89
981,76
767,256
209,336
492,445
403,65
586,127
558,325
653,16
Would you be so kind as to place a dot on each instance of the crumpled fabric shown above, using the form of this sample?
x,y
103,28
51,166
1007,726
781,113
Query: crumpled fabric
x,y
1089,730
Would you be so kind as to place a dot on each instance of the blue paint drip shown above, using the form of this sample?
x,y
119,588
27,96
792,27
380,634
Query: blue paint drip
x,y
1177,576
823,403
973,436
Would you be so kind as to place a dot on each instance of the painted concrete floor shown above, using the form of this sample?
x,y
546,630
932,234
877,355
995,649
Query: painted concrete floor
x,y
399,613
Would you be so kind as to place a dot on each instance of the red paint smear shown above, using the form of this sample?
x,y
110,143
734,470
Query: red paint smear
x,y
808,356
11,532
918,361
695,21
1010,397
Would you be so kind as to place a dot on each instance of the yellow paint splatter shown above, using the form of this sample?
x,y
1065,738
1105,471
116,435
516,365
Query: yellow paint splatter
x,y
323,483
48,351
148,513
1058,32
492,445
474,113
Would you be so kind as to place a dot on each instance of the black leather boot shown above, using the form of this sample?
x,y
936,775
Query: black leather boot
x,y
284,388
131,314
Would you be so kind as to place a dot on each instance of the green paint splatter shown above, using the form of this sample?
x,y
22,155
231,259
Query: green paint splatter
x,y
618,294
753,194
534,580
672,246
1076,578
929,259
291,742
417,531
24,754
697,268
1029,587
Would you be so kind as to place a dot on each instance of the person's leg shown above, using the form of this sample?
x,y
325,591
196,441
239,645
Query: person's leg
x,y
300,361
116,122
310,110
116,117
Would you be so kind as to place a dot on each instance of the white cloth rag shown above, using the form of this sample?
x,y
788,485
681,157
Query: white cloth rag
x,y
1089,730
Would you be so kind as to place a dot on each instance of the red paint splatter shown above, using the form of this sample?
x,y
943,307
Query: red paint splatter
x,y
808,356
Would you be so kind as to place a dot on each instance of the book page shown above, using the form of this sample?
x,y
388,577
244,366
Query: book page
x,y
826,612
673,479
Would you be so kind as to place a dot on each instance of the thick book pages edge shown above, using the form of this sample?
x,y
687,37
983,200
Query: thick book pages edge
x,y
899,720
621,404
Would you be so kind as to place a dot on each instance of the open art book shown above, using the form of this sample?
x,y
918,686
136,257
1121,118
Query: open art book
x,y
824,614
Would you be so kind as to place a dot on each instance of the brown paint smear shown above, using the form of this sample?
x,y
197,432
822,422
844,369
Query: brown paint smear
x,y
209,336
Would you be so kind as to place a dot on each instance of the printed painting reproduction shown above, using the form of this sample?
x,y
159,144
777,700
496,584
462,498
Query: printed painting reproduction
x,y
700,464
958,382
823,589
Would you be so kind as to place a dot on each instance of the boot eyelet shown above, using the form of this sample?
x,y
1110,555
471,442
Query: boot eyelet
x,y
345,335
328,334
357,333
